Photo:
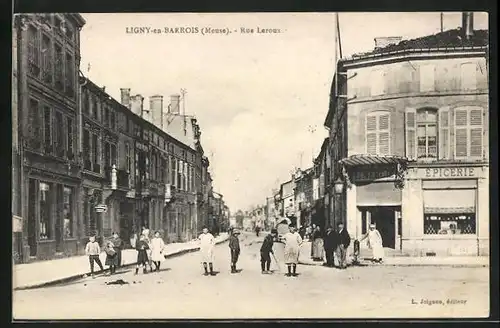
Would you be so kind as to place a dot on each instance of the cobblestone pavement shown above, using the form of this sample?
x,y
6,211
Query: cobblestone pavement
x,y
181,291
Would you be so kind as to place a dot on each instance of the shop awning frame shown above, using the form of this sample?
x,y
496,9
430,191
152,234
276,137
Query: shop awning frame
x,y
362,161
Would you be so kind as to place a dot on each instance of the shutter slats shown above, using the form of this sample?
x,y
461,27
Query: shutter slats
x,y
384,143
371,143
411,142
476,117
444,133
383,122
476,142
461,142
461,117
371,123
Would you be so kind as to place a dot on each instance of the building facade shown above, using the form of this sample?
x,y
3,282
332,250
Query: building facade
x,y
303,193
414,159
47,165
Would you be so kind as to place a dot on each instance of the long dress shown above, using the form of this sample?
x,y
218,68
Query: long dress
x,y
157,246
292,247
375,243
317,246
207,243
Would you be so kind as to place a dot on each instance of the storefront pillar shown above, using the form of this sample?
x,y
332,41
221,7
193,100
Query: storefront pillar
x,y
351,210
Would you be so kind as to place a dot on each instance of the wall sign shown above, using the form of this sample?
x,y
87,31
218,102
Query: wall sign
x,y
371,174
451,172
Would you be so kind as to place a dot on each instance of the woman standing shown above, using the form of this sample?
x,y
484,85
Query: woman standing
x,y
157,248
375,244
118,245
292,248
317,245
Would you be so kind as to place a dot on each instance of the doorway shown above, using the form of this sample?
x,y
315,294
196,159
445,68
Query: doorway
x,y
384,218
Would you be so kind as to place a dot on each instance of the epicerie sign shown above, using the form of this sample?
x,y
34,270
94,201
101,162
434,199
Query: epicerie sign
x,y
450,172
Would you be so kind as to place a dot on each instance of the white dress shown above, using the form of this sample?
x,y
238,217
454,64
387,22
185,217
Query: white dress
x,y
292,247
207,243
157,246
375,243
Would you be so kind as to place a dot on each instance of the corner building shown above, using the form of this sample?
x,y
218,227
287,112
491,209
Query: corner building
x,y
415,156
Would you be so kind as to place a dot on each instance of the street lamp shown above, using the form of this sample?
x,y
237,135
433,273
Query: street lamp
x,y
339,186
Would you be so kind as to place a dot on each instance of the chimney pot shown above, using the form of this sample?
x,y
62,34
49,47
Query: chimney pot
x,y
156,110
125,97
468,24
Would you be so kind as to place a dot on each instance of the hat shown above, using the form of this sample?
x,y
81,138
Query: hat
x,y
274,231
236,232
372,225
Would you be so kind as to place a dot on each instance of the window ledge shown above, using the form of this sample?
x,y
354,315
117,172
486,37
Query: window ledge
x,y
450,237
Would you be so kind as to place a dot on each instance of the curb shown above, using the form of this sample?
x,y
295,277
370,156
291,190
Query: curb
x,y
453,265
81,276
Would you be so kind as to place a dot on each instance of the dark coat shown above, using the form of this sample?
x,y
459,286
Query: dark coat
x,y
267,245
234,243
330,240
118,245
342,238
142,255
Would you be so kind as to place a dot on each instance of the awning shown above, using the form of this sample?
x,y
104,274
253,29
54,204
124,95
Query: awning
x,y
365,159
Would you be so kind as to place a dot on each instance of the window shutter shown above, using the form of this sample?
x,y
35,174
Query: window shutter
x,y
371,134
461,133
476,133
444,132
384,134
411,139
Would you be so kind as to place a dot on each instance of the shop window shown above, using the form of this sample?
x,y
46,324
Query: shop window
x,y
46,60
427,133
33,51
468,77
45,229
68,212
450,224
469,132
427,78
377,131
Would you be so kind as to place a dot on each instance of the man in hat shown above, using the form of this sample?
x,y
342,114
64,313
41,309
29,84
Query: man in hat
x,y
330,246
342,241
265,250
234,246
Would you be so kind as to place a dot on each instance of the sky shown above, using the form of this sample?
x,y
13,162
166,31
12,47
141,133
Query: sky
x,y
260,99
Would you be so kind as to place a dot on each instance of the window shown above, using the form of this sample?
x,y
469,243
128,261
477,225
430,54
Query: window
x,y
185,176
86,103
69,142
128,158
113,155
68,212
47,116
377,82
95,109
427,133
378,133
46,60
70,89
153,165
468,76
107,154
34,125
59,67
173,179
112,119
106,115
33,51
69,33
427,79
87,150
96,150
469,132
45,230
58,134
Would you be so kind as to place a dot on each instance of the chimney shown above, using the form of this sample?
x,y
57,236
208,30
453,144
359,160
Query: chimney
x,y
125,98
146,114
174,104
137,104
385,41
468,24
156,110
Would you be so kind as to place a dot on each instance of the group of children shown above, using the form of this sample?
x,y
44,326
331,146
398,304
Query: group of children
x,y
152,251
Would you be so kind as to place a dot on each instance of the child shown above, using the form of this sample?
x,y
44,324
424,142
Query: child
x,y
142,255
207,243
234,246
265,250
292,249
111,256
157,247
93,250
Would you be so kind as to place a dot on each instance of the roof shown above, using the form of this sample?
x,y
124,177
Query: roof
x,y
365,159
451,39
175,128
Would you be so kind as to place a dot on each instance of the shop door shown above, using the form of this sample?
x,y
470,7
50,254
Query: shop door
x,y
32,217
384,219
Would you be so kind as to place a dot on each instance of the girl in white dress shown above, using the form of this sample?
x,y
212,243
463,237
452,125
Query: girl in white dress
x,y
157,248
375,243
207,243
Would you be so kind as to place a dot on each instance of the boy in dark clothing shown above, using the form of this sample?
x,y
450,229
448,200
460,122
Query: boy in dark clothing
x,y
142,256
265,250
234,246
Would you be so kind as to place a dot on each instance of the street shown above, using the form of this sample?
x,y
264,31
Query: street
x,y
181,291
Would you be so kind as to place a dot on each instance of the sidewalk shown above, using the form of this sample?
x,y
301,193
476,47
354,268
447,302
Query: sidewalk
x,y
45,273
460,261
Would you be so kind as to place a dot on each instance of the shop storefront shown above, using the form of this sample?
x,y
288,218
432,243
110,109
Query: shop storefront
x,y
446,208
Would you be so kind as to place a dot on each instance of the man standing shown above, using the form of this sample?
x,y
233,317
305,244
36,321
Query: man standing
x,y
234,246
265,250
330,246
207,243
342,240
